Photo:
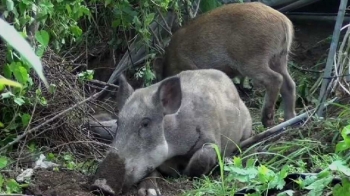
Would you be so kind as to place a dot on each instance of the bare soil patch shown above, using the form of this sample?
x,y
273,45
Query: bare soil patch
x,y
72,183
57,183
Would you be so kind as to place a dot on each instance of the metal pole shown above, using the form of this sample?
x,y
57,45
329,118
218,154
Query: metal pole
x,y
276,129
329,65
280,128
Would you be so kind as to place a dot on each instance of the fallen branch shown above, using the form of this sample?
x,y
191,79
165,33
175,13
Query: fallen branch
x,y
20,137
103,83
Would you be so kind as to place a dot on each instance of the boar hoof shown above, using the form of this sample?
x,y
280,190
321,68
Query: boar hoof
x,y
148,187
268,123
268,119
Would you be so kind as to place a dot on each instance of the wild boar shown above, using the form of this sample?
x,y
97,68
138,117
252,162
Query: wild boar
x,y
241,39
167,127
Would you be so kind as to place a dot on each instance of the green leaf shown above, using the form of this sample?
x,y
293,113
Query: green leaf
x,y
320,184
207,5
43,101
343,189
3,162
51,156
250,162
69,10
9,5
25,119
278,180
71,165
2,125
287,192
116,22
67,157
345,133
19,101
149,18
12,186
42,37
32,147
21,45
242,174
237,162
27,2
76,30
136,21
7,71
1,182
19,72
5,14
107,2
324,173
85,11
341,146
40,51
340,166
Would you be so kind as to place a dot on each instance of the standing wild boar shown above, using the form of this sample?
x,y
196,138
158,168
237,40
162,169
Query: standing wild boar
x,y
240,39
167,127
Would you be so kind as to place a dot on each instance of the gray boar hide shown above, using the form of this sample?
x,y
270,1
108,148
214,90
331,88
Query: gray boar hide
x,y
167,127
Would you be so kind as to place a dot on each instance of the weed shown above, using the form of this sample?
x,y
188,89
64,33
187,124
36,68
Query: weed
x,y
281,159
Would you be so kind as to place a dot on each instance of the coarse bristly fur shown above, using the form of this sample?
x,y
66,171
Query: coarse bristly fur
x,y
240,39
166,128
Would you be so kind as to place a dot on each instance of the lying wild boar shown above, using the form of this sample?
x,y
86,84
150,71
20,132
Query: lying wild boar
x,y
240,39
167,126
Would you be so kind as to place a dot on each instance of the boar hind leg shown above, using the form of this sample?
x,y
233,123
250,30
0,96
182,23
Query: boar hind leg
x,y
201,162
272,81
148,186
279,64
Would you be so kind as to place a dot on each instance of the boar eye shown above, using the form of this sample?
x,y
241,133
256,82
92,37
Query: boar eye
x,y
145,122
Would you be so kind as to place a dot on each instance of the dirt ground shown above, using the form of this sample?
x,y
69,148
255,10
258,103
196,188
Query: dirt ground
x,y
72,183
308,50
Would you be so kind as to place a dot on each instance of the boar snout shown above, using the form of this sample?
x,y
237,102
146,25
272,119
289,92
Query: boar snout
x,y
110,175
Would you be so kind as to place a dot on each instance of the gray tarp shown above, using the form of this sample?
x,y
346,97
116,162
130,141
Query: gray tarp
x,y
281,5
271,3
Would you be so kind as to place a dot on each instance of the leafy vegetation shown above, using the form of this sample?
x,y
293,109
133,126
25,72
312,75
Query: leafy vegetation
x,y
242,171
65,27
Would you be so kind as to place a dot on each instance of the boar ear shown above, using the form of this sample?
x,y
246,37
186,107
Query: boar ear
x,y
169,94
124,92
158,67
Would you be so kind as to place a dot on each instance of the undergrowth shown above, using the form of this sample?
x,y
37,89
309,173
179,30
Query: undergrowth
x,y
320,147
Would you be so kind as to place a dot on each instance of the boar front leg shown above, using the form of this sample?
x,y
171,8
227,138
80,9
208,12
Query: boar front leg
x,y
201,162
149,186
